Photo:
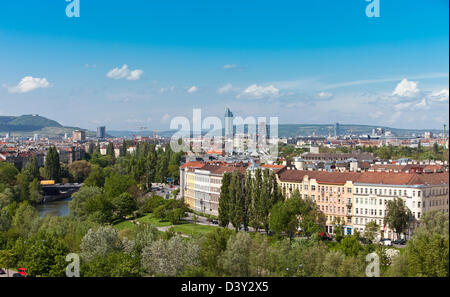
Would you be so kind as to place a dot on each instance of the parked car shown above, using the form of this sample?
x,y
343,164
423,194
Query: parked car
x,y
400,241
2,271
386,242
325,236
22,271
364,240
215,222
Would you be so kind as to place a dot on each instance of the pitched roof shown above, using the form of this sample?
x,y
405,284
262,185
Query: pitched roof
x,y
193,164
386,178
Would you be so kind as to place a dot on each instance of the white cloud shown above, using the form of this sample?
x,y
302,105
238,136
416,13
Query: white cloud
x,y
135,74
124,72
255,91
406,88
225,89
192,89
324,95
229,66
423,104
440,96
165,118
28,84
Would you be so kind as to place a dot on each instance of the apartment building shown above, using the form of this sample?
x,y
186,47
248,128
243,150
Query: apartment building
x,y
420,192
354,199
201,182
331,191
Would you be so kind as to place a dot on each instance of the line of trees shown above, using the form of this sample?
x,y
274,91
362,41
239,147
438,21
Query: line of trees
x,y
247,201
257,201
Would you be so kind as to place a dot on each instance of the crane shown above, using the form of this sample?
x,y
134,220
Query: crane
x,y
142,129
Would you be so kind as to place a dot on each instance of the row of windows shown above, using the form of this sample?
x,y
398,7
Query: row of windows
x,y
339,190
333,209
372,212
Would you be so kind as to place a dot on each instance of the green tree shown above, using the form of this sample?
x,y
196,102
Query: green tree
x,y
32,167
52,167
110,150
397,215
45,255
213,246
114,264
79,170
7,173
235,261
237,199
101,242
96,177
35,191
124,205
371,230
225,201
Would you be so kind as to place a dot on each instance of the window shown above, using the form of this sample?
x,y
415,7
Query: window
x,y
418,204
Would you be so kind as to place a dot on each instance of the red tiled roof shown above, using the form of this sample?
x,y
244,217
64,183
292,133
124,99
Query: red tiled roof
x,y
273,166
388,178
193,164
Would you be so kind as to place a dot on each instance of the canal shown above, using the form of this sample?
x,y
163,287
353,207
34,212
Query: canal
x,y
58,208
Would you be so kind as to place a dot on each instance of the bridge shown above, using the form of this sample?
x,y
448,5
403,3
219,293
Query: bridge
x,y
55,192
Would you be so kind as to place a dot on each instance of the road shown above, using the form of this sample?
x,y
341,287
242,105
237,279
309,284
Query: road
x,y
163,190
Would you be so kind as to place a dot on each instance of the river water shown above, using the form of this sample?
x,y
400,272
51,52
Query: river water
x,y
56,208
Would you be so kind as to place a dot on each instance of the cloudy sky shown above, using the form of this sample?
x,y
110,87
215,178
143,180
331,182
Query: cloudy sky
x,y
130,64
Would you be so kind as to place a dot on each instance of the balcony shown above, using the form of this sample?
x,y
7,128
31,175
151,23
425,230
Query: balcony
x,y
349,204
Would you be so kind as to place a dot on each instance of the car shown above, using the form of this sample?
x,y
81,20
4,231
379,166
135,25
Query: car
x,y
2,271
364,240
325,236
399,241
215,222
386,242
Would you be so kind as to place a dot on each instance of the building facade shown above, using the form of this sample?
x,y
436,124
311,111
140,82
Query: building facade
x,y
354,199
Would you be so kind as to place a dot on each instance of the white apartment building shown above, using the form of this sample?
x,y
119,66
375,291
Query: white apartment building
x,y
420,192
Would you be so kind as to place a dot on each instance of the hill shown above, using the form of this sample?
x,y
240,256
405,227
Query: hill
x,y
27,125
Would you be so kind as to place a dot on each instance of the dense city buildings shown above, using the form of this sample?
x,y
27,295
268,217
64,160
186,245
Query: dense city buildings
x,y
79,135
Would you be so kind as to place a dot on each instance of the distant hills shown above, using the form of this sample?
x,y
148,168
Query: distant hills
x,y
296,130
27,125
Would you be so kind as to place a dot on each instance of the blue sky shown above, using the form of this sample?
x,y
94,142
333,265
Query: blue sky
x,y
304,61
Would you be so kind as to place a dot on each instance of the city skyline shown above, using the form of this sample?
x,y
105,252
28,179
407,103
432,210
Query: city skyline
x,y
314,63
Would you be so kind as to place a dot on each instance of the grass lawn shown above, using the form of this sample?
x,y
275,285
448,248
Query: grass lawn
x,y
186,228
152,220
190,229
124,225
145,219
